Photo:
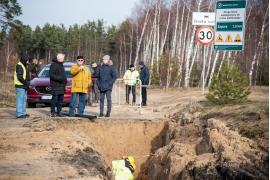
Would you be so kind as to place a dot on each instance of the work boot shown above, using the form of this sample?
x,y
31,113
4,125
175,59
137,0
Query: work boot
x,y
108,115
101,115
59,115
21,117
53,115
144,104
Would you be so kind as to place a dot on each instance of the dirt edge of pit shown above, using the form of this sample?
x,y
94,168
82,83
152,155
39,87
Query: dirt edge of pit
x,y
199,148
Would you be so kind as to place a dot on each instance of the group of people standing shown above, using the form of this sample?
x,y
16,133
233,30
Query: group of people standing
x,y
81,81
105,75
131,79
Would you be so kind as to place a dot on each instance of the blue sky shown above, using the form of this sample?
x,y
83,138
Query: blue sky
x,y
69,12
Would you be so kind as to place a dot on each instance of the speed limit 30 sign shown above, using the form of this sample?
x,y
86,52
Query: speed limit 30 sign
x,y
205,35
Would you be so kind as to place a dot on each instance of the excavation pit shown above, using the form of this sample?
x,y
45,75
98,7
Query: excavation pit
x,y
113,139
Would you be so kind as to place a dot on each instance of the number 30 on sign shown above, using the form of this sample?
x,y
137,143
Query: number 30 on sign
x,y
205,35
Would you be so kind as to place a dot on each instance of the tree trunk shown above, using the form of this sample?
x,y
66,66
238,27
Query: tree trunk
x,y
189,56
141,37
131,45
183,49
166,33
258,47
8,54
175,30
213,68
222,60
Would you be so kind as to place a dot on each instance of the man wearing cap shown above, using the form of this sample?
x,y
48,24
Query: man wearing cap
x,y
106,76
131,78
81,81
144,76
21,82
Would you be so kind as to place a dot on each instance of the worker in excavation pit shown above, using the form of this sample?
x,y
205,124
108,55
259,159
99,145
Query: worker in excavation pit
x,y
123,169
131,78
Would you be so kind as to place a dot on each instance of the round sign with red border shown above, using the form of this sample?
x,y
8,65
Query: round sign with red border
x,y
205,35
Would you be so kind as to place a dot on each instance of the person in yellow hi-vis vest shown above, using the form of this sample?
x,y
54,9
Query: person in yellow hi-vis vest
x,y
80,83
123,169
21,82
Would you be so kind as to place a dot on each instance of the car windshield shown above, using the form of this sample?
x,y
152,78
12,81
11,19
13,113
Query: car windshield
x,y
44,73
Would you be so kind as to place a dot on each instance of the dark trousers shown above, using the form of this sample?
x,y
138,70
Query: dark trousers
x,y
108,94
82,103
144,95
56,103
93,96
95,93
133,90
127,94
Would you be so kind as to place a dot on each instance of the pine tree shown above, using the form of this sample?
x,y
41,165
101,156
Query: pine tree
x,y
229,86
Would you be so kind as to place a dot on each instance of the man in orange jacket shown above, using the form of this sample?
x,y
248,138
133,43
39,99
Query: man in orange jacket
x,y
80,83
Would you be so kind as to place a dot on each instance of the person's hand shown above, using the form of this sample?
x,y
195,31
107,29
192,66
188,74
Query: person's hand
x,y
82,68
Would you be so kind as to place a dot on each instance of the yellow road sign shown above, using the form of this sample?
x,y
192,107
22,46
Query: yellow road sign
x,y
219,38
237,38
228,38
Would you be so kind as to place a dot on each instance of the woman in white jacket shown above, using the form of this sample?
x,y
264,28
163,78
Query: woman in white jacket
x,y
131,78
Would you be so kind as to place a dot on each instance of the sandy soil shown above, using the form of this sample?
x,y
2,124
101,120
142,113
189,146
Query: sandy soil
x,y
41,147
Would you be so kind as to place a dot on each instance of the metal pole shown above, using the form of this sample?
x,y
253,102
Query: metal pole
x,y
119,92
203,76
140,82
119,95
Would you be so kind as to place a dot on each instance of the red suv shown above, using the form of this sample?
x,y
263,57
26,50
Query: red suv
x,y
39,91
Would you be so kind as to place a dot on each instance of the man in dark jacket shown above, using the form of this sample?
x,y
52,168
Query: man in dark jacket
x,y
58,82
144,76
106,76
21,82
94,97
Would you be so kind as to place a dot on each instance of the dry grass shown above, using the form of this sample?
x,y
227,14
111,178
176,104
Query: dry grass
x,y
250,119
7,91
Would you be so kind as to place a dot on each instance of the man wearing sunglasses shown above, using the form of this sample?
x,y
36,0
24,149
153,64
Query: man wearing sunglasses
x,y
81,81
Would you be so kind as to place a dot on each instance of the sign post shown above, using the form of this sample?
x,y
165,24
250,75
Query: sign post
x,y
205,36
230,25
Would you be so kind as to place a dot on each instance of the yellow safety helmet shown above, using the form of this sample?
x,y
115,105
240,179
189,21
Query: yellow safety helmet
x,y
130,163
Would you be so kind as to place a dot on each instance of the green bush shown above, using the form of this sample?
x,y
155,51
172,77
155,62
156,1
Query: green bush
x,y
230,86
154,75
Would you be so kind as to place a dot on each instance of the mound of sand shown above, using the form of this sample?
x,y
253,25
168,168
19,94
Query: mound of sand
x,y
205,149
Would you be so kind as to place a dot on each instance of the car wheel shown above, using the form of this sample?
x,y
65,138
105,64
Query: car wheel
x,y
31,105
47,104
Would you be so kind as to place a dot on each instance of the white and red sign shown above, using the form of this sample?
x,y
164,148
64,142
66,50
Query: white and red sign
x,y
205,35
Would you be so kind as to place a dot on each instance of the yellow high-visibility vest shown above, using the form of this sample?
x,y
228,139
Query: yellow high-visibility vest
x,y
16,80
120,171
